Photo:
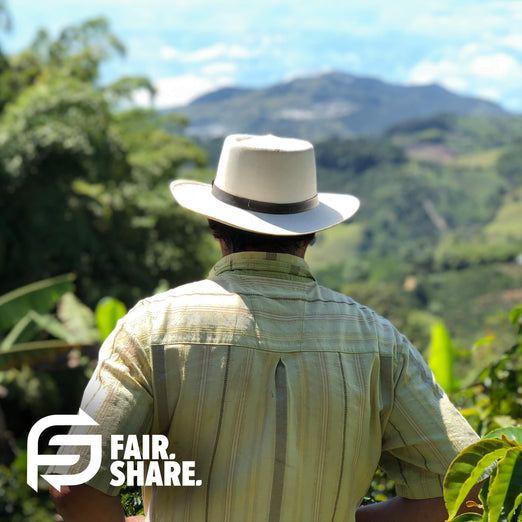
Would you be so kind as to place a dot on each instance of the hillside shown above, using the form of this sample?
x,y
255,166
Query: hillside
x,y
333,104
436,236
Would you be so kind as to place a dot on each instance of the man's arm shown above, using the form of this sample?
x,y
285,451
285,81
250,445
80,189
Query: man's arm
x,y
399,509
85,504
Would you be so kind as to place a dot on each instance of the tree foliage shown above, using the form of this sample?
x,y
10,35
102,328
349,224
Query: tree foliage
x,y
510,165
498,455
85,188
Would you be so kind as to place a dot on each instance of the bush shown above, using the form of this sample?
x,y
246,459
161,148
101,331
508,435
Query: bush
x,y
499,454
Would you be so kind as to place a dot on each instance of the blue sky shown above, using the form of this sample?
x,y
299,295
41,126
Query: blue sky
x,y
189,47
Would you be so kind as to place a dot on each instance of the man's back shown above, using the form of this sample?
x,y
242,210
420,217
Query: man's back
x,y
282,392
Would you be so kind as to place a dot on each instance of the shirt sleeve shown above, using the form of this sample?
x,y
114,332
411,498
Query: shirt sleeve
x,y
118,397
424,431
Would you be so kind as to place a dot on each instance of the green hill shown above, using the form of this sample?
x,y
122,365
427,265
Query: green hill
x,y
435,237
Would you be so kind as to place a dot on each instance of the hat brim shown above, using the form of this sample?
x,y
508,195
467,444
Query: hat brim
x,y
331,210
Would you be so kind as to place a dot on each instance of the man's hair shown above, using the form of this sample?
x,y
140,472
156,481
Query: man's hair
x,y
238,240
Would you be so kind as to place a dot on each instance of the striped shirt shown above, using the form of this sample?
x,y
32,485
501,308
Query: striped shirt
x,y
286,394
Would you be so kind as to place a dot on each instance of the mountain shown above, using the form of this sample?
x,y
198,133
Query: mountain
x,y
315,107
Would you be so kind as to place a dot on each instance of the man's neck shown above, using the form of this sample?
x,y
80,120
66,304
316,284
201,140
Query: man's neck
x,y
225,251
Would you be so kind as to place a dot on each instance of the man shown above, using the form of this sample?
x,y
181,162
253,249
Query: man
x,y
285,394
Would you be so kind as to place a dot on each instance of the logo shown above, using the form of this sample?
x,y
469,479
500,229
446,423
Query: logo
x,y
148,463
136,461
34,459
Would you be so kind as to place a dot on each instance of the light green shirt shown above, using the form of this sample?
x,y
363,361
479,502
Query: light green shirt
x,y
287,395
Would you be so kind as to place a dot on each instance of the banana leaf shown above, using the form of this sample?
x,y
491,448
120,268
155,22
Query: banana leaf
x,y
40,297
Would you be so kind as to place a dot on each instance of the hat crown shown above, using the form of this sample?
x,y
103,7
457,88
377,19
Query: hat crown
x,y
267,185
267,169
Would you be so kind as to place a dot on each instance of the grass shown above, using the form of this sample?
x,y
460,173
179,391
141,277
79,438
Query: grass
x,y
507,222
335,244
485,159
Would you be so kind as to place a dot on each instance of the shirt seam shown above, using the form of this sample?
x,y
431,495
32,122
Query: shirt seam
x,y
282,298
281,352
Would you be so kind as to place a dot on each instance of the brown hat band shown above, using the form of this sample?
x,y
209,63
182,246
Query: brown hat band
x,y
264,206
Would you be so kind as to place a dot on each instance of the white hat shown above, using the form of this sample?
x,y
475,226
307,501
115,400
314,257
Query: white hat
x,y
268,185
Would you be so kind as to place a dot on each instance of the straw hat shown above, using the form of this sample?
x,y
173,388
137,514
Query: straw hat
x,y
268,185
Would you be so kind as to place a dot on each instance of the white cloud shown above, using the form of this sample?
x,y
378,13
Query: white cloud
x,y
472,49
205,54
477,69
170,53
444,72
217,68
497,66
513,41
179,90
489,94
450,20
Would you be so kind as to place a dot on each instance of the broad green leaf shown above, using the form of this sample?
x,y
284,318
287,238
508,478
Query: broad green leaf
x,y
506,486
23,330
441,356
108,311
41,297
34,346
465,487
462,467
516,505
78,320
48,323
45,322
511,433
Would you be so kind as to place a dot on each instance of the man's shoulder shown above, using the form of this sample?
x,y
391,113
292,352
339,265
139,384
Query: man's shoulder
x,y
152,313
328,295
368,319
203,286
344,314
176,295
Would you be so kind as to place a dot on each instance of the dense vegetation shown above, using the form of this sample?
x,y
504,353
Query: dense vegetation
x,y
86,213
440,221
83,185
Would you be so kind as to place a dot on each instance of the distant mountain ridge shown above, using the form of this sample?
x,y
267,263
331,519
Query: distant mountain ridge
x,y
327,105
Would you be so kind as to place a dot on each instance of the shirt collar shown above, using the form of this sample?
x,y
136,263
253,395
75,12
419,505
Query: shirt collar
x,y
284,264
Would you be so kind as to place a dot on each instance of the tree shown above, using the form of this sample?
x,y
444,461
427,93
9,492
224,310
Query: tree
x,y
509,165
84,187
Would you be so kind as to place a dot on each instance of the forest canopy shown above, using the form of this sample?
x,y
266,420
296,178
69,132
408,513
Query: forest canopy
x,y
85,185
